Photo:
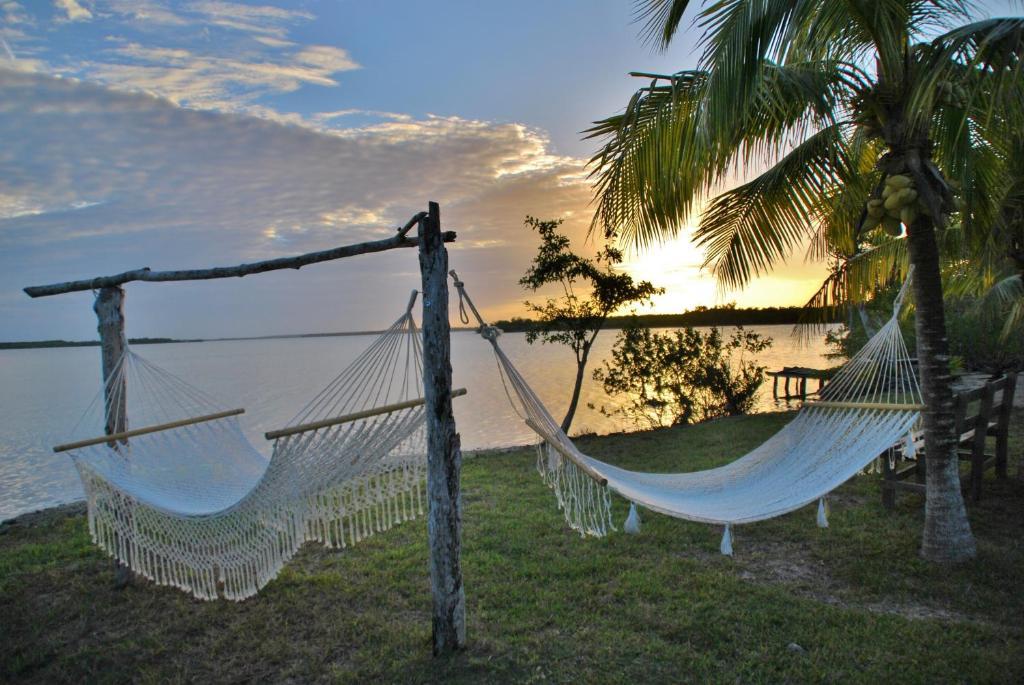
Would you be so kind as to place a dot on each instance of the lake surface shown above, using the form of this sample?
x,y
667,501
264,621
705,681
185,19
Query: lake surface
x,y
43,393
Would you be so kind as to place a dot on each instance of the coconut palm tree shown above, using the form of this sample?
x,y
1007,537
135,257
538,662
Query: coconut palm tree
x,y
839,105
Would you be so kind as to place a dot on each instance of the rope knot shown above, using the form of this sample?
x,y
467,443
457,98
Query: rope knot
x,y
490,333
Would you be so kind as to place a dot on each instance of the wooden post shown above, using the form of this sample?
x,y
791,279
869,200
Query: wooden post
x,y
109,308
1002,428
444,519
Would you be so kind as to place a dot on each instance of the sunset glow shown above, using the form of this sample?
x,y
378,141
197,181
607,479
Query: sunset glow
x,y
177,135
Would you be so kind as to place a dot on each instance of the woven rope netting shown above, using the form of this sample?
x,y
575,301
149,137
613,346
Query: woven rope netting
x,y
871,403
199,508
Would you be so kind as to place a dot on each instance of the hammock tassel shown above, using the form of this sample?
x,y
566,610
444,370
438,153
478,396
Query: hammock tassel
x,y
822,513
909,448
726,546
632,524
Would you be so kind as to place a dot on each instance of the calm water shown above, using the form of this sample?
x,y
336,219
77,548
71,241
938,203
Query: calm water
x,y
44,392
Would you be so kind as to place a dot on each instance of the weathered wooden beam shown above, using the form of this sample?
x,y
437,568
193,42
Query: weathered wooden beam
x,y
444,461
146,430
296,262
109,308
349,418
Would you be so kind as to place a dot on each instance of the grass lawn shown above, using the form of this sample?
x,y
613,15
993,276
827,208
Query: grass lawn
x,y
544,604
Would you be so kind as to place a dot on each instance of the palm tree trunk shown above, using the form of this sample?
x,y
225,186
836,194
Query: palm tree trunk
x,y
947,532
581,366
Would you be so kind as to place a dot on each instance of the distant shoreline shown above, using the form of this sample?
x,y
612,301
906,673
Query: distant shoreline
x,y
42,344
717,316
701,317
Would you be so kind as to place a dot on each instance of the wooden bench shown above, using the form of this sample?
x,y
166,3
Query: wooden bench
x,y
980,413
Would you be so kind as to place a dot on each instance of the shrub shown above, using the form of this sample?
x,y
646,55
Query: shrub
x,y
974,328
667,379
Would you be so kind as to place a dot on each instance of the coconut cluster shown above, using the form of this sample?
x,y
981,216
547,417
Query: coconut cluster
x,y
952,94
898,205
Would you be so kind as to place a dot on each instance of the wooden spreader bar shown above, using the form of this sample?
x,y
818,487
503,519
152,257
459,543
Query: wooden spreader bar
x,y
892,406
583,466
348,418
156,428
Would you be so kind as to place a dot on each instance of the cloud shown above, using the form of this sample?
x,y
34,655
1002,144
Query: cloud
x,y
265,19
14,13
96,181
74,11
325,117
212,81
146,13
208,55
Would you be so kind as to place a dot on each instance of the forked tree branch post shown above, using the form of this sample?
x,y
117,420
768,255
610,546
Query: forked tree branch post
x,y
109,308
444,519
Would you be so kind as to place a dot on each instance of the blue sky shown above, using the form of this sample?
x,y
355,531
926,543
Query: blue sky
x,y
188,134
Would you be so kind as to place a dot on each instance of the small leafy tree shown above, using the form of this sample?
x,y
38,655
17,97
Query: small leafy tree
x,y
669,379
575,318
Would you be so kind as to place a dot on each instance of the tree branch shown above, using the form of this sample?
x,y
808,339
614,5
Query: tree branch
x,y
296,262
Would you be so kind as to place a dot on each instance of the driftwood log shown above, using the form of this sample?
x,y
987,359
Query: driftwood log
x,y
398,240
444,519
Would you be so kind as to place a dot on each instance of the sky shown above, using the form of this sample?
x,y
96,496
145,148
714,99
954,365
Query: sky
x,y
206,133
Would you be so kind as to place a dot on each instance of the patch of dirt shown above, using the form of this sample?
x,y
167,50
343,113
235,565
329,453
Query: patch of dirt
x,y
792,565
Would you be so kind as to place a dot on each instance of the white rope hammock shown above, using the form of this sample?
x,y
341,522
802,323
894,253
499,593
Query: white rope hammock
x,y
180,495
870,404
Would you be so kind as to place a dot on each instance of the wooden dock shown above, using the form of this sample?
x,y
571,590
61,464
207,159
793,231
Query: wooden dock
x,y
800,374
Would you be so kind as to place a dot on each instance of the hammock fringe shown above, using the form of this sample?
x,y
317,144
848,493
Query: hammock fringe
x,y
137,536
586,504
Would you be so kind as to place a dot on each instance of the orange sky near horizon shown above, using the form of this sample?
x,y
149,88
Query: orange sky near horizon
x,y
675,265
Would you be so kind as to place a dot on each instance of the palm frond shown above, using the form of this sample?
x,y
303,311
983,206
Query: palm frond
x,y
1009,293
648,172
745,230
662,156
992,49
856,280
660,19
842,210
